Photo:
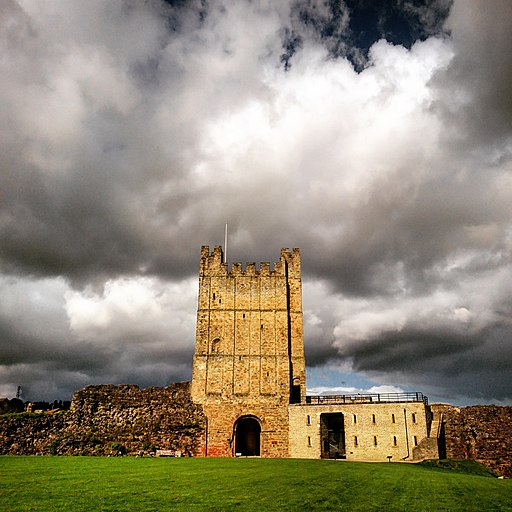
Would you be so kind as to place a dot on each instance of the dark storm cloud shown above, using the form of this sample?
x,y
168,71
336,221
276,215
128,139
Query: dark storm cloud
x,y
87,156
98,169
132,132
466,364
419,235
413,349
480,74
26,349
107,190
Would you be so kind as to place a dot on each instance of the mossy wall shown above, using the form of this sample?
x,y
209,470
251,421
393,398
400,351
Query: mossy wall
x,y
479,432
110,420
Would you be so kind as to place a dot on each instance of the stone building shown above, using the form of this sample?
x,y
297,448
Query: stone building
x,y
249,361
249,376
379,427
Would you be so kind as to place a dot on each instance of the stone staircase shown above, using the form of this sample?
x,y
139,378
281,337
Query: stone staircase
x,y
429,447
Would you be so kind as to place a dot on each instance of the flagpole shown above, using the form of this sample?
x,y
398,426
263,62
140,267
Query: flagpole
x,y
226,244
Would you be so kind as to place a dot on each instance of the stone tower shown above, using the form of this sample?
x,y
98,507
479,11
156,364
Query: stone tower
x,y
249,360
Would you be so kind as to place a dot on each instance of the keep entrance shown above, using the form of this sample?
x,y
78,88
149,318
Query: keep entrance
x,y
332,432
247,437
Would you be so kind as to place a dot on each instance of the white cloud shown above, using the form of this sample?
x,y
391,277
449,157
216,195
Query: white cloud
x,y
343,390
135,310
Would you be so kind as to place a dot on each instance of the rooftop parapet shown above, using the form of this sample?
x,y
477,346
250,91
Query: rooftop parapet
x,y
213,264
367,398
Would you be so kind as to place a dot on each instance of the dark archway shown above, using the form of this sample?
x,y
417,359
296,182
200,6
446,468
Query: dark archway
x,y
332,432
247,436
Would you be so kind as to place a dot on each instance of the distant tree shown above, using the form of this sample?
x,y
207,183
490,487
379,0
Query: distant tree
x,y
41,406
4,405
11,406
17,405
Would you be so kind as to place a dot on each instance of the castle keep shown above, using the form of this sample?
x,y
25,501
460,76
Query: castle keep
x,y
249,361
249,376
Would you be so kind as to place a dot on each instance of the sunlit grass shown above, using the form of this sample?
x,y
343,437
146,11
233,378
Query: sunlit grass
x,y
146,484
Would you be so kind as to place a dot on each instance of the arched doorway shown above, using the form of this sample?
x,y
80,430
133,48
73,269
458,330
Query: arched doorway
x,y
247,436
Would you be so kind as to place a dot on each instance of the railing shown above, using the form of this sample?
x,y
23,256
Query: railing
x,y
366,398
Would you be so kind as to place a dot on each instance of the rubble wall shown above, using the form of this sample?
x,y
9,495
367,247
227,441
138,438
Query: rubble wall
x,y
479,432
110,420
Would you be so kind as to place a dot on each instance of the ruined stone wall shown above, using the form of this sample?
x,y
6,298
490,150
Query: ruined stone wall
x,y
31,434
480,432
373,431
111,420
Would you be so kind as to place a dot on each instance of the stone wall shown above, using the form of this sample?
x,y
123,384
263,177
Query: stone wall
x,y
480,432
372,431
222,428
110,420
30,434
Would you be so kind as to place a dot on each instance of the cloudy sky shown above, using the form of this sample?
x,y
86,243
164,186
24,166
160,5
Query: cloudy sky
x,y
376,139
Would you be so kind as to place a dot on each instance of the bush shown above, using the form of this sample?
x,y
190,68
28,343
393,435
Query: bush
x,y
148,447
118,449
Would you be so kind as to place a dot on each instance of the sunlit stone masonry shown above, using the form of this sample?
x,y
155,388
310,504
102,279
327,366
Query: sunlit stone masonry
x,y
249,376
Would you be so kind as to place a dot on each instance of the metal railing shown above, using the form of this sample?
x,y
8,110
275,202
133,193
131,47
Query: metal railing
x,y
362,398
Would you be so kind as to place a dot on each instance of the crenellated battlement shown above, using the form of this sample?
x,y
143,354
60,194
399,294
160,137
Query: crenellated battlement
x,y
212,264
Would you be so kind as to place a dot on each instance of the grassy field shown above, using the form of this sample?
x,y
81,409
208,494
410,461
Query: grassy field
x,y
146,484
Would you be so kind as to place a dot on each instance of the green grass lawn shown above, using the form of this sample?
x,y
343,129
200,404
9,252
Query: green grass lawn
x,y
147,484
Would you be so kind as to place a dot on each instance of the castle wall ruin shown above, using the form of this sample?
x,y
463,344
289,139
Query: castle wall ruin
x,y
478,432
106,419
110,420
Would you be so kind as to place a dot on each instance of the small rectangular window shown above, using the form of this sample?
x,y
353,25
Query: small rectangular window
x,y
355,440
413,417
355,418
415,439
308,420
392,418
309,441
394,440
373,418
374,440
